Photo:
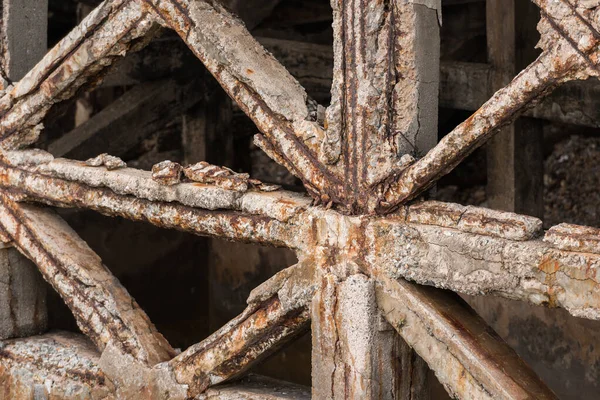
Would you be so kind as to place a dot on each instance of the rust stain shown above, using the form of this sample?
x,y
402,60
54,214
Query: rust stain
x,y
549,266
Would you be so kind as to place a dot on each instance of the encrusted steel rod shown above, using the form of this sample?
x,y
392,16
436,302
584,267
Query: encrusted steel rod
x,y
277,313
112,29
466,249
350,347
132,194
479,251
344,256
384,94
260,85
58,365
73,371
102,307
469,358
570,43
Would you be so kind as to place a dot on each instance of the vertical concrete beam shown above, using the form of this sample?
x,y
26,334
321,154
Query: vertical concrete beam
x,y
353,347
384,93
417,65
384,106
22,296
24,35
23,40
515,158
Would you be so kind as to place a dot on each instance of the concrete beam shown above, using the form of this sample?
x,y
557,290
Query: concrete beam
x,y
354,352
23,42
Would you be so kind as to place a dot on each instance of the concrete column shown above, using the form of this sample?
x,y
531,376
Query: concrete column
x,y
354,349
22,290
22,296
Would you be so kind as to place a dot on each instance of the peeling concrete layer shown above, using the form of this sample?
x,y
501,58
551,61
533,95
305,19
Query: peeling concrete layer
x,y
63,365
576,238
477,220
280,205
225,224
463,248
57,365
103,309
384,92
468,358
531,271
467,249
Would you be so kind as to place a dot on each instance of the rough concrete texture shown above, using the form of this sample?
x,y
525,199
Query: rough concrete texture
x,y
352,358
102,306
53,366
468,358
277,314
260,85
478,251
382,106
570,44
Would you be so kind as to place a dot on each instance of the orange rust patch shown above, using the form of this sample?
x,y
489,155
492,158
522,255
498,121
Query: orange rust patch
x,y
549,266
249,71
286,202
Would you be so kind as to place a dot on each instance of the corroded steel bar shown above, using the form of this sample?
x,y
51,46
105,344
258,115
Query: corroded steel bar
x,y
103,309
384,93
253,226
475,220
575,238
277,313
280,205
57,365
112,29
260,85
570,43
467,249
501,109
469,359
489,262
63,365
